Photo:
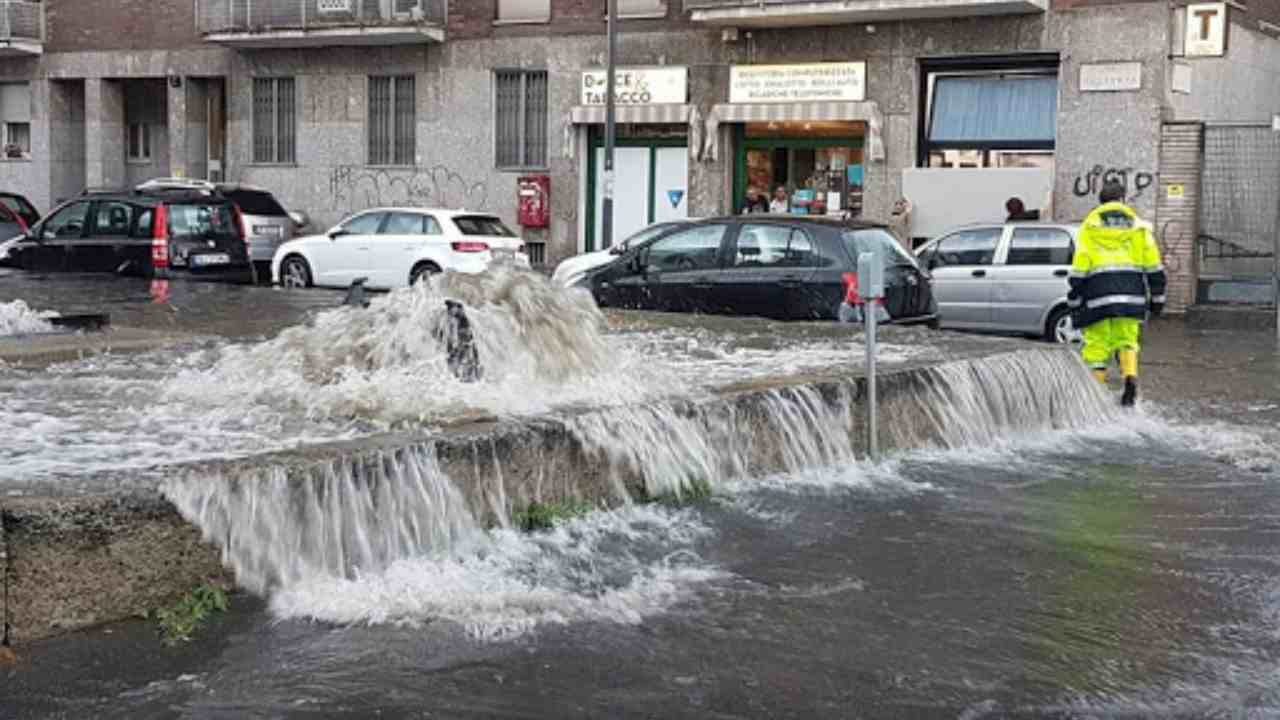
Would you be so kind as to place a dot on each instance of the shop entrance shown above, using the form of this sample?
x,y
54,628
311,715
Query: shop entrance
x,y
651,184
819,165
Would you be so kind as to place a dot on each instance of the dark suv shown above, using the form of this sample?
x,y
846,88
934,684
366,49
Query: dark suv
x,y
138,232
787,267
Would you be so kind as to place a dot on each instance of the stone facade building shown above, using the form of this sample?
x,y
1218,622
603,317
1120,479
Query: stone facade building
x,y
339,105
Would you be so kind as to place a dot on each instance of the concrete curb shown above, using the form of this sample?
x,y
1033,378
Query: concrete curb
x,y
73,562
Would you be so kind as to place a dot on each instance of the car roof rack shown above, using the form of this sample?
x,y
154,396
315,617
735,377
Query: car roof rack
x,y
171,183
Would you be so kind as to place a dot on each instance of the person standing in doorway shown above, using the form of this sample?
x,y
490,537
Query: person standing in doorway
x,y
900,223
779,205
1116,280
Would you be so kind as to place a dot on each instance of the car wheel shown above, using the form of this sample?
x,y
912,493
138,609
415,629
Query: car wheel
x,y
1061,330
295,273
420,270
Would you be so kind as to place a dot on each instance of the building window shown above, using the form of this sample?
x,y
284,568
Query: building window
x,y
642,8
521,120
392,123
17,140
274,121
140,142
524,11
15,120
995,118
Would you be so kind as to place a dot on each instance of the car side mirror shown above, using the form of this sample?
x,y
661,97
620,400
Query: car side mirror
x,y
335,233
617,249
48,235
300,219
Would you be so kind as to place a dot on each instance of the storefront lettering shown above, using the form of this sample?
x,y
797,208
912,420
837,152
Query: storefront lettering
x,y
1090,183
786,83
646,86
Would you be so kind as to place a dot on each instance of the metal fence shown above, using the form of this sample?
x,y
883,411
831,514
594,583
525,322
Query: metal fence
x,y
1239,200
220,16
21,20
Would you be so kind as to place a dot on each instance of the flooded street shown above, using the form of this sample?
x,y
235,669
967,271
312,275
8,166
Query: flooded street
x,y
1051,557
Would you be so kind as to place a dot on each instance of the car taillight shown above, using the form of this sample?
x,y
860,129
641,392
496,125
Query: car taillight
x,y
468,246
160,238
851,288
244,229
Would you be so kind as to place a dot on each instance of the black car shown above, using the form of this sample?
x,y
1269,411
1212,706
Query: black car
x,y
137,232
787,267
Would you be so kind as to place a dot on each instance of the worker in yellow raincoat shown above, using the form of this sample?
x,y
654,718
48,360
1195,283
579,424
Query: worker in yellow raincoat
x,y
1116,280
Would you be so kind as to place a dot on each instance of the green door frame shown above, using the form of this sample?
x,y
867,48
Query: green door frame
x,y
742,143
596,142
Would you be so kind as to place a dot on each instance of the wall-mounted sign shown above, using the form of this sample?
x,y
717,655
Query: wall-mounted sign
x,y
798,83
1175,192
1180,82
1110,77
1206,30
333,6
637,86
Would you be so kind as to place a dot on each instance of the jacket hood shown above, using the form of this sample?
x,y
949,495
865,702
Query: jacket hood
x,y
1111,225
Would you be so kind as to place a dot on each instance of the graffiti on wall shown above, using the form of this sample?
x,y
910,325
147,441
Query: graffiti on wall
x,y
1174,238
1135,182
355,187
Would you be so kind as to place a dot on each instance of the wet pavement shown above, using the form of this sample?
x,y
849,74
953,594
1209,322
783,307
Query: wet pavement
x,y
1127,569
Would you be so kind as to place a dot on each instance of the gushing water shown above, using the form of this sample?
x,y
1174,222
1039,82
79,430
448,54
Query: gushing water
x,y
347,540
17,318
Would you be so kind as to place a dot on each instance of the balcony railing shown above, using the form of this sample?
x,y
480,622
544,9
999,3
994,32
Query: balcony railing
x,y
295,21
824,12
21,26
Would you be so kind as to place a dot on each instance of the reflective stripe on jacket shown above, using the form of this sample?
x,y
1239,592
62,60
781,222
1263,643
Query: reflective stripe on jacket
x,y
1116,270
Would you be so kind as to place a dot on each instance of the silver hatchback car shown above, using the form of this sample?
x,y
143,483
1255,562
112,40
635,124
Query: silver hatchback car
x,y
1004,278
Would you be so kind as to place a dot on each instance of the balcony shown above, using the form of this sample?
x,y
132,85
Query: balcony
x,y
797,13
256,24
21,28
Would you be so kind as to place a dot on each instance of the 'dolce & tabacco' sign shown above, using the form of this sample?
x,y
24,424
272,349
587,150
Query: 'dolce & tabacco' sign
x,y
637,86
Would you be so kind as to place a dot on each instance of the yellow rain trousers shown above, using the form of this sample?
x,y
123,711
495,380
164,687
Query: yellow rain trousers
x,y
1109,337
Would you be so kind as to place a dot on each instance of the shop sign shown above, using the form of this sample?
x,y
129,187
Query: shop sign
x,y
1206,30
637,86
1110,77
798,83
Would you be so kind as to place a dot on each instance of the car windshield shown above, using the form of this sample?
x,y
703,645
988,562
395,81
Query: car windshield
x,y
203,221
880,242
482,225
256,202
18,205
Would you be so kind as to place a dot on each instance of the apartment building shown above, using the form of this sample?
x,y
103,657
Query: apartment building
x,y
339,105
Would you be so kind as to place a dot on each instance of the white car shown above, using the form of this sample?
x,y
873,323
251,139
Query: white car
x,y
572,270
393,247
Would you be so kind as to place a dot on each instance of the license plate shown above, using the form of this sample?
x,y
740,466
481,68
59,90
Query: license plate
x,y
267,230
210,259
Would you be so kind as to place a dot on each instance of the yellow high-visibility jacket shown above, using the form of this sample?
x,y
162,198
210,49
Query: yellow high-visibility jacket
x,y
1116,270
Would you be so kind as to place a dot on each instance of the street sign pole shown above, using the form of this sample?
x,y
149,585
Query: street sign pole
x,y
1275,249
871,289
606,209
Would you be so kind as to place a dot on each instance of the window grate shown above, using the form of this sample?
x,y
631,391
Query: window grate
x,y
521,122
392,123
537,253
274,120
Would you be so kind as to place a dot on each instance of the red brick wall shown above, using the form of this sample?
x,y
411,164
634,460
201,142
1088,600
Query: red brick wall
x,y
83,25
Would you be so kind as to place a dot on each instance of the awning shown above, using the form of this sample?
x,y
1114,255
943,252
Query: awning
x,y
636,115
633,114
866,111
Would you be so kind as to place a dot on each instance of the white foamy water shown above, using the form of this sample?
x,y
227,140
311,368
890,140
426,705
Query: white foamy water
x,y
17,318
354,371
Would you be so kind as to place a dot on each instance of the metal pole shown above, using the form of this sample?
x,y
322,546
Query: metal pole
x,y
873,434
870,285
606,222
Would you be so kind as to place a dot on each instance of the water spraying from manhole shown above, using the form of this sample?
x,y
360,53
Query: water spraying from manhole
x,y
17,318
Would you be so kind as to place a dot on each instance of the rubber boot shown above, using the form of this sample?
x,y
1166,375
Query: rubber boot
x,y
1129,367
